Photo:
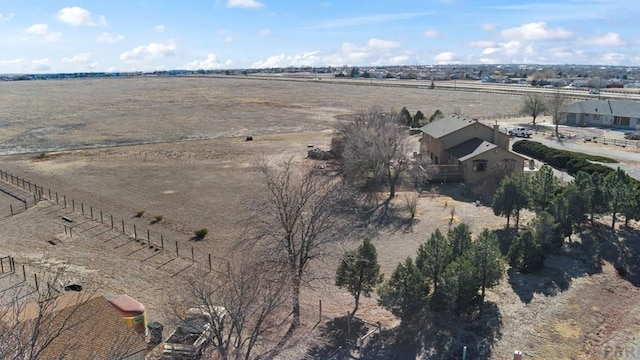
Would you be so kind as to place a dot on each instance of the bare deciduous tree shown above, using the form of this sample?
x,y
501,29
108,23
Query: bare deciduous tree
x,y
246,301
533,105
375,152
556,104
44,322
298,217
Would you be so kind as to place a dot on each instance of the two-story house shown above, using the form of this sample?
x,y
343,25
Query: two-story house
x,y
466,150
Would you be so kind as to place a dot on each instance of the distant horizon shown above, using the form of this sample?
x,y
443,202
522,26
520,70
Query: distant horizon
x,y
335,68
117,36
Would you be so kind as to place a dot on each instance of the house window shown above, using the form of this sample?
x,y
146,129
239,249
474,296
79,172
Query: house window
x,y
621,120
480,165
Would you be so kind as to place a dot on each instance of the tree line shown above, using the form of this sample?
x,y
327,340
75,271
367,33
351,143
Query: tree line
x,y
561,210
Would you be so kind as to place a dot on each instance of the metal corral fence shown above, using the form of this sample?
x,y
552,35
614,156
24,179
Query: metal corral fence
x,y
25,193
78,216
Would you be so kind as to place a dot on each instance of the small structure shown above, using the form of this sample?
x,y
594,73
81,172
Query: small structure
x,y
131,311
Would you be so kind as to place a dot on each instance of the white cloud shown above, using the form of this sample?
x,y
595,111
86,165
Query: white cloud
x,y
488,27
228,38
81,58
306,59
613,58
37,29
375,52
211,62
77,16
382,44
538,31
107,38
40,64
432,34
83,61
53,37
264,32
447,57
42,31
609,39
160,28
482,44
250,4
147,52
6,17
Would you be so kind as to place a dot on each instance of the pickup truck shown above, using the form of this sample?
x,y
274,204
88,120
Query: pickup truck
x,y
191,337
520,132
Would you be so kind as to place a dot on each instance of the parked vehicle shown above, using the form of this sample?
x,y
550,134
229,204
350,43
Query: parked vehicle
x,y
193,335
520,132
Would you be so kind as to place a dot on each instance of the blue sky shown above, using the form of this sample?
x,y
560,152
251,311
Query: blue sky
x,y
116,35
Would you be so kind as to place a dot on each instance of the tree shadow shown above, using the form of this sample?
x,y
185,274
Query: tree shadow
x,y
505,238
585,256
443,335
385,215
338,337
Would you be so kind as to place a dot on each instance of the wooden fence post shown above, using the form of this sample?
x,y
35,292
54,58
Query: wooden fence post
x,y
56,197
24,273
320,310
209,262
73,205
101,219
162,241
65,200
177,252
135,233
11,208
123,226
148,237
35,276
112,221
193,257
91,209
82,208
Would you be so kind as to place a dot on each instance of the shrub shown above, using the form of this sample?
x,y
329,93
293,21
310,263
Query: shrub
x,y
157,218
200,234
140,213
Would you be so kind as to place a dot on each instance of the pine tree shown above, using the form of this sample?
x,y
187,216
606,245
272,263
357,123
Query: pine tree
x,y
359,272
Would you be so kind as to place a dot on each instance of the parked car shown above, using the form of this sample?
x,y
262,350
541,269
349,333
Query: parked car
x,y
193,334
521,132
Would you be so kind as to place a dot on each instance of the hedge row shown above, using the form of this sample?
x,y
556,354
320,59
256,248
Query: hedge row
x,y
570,161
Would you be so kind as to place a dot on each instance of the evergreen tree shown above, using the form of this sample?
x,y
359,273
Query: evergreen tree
x,y
433,256
418,118
546,232
618,190
460,240
486,260
406,290
359,272
542,189
525,253
578,202
511,197
459,289
405,117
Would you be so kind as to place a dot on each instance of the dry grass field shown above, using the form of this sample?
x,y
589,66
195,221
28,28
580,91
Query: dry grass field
x,y
176,147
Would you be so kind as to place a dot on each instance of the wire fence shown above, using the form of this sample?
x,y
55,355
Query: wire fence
x,y
81,220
